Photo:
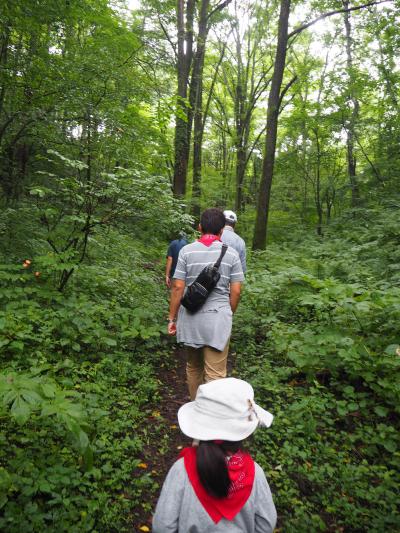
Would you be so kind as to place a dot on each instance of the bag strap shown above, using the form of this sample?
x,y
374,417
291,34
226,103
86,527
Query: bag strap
x,y
223,251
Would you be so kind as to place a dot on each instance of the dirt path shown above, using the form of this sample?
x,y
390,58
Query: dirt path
x,y
162,437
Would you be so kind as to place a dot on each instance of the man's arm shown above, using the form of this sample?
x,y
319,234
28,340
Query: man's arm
x,y
234,296
242,256
178,287
168,271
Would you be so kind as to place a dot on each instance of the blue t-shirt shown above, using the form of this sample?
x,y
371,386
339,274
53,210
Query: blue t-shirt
x,y
173,251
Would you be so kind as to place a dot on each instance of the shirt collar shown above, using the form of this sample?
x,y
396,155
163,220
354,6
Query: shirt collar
x,y
229,228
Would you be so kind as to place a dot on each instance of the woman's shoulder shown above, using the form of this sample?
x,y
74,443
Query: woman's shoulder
x,y
177,470
258,468
259,474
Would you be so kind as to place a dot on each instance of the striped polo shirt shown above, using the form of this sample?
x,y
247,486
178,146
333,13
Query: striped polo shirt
x,y
195,256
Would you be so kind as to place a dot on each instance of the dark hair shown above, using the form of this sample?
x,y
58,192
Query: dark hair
x,y
211,466
230,223
212,221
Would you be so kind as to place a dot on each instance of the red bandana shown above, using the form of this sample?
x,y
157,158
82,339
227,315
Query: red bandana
x,y
207,239
241,471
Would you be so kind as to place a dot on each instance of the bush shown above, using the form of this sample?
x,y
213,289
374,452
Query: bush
x,y
316,333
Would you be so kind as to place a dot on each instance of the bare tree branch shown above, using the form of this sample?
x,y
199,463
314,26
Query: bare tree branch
x,y
330,13
286,88
210,94
255,143
219,7
173,45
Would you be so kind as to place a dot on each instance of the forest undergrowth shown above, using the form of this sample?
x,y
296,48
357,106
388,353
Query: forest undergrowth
x,y
120,121
87,381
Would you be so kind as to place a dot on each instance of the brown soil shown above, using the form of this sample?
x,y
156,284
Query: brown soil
x,y
162,437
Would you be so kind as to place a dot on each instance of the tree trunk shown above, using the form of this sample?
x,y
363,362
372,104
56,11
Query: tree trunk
x,y
260,230
184,61
241,163
239,107
317,189
4,39
351,159
197,149
196,107
200,118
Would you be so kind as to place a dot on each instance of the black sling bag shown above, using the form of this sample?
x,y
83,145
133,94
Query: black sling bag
x,y
198,292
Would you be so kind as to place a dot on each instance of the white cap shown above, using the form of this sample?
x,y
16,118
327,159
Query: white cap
x,y
223,409
230,216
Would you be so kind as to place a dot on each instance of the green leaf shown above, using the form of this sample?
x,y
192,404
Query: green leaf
x,y
381,411
110,342
49,390
390,445
17,345
31,396
20,410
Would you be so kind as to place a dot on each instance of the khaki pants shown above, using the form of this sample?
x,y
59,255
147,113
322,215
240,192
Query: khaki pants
x,y
204,365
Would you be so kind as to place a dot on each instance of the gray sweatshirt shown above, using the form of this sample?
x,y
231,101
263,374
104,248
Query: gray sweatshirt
x,y
232,239
180,511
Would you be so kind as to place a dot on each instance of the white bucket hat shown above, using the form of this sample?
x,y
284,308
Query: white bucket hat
x,y
230,216
223,409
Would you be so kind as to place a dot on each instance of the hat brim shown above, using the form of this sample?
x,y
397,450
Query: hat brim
x,y
197,425
265,418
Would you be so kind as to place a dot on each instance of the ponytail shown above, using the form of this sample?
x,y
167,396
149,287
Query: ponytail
x,y
211,466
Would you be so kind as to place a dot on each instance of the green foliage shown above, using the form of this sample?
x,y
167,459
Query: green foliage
x,y
317,335
26,396
42,484
77,379
86,141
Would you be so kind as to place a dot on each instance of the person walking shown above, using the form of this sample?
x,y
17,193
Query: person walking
x,y
206,333
174,248
232,239
217,486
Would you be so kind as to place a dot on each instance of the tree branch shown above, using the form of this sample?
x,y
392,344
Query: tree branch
x,y
219,7
173,45
286,88
255,143
330,13
210,94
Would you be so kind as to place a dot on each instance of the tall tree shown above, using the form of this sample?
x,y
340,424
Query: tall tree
x,y
200,117
250,83
274,101
260,230
190,78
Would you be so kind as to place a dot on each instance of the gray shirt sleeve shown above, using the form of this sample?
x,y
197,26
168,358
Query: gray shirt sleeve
x,y
242,255
166,516
265,512
236,272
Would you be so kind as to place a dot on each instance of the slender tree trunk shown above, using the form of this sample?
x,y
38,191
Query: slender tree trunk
x,y
329,199
200,118
3,62
239,108
197,150
351,159
260,230
246,93
317,190
241,160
